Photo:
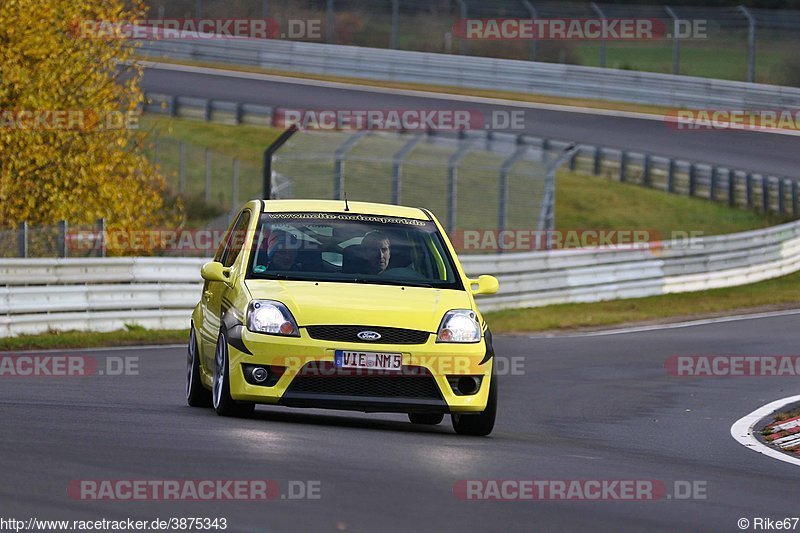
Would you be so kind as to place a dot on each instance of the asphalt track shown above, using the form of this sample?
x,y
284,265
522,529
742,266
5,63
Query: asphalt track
x,y
599,407
745,150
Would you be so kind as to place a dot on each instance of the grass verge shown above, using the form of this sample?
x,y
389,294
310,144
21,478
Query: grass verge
x,y
92,339
783,292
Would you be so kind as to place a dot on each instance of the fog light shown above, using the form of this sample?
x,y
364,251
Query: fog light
x,y
468,385
260,374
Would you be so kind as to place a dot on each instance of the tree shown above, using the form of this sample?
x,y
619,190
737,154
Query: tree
x,y
69,106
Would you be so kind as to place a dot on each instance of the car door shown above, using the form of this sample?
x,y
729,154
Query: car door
x,y
215,291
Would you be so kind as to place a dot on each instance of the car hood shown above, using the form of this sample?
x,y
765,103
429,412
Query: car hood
x,y
319,303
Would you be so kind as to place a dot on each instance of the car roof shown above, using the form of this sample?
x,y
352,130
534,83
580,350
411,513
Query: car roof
x,y
338,206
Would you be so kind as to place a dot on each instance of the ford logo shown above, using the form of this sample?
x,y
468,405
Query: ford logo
x,y
368,335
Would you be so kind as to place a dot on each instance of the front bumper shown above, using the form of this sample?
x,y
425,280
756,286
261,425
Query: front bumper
x,y
309,378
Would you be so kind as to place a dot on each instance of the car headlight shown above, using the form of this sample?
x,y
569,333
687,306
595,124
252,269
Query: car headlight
x,y
271,317
459,325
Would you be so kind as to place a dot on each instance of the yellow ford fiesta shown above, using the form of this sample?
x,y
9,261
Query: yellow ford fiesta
x,y
359,306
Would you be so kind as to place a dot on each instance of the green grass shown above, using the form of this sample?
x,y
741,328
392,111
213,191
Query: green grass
x,y
131,336
778,292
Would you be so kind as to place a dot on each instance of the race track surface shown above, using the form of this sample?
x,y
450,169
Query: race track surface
x,y
599,408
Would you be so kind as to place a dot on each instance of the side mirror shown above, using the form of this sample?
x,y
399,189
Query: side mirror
x,y
214,271
486,285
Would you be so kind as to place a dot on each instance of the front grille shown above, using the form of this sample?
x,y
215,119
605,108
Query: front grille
x,y
412,382
350,334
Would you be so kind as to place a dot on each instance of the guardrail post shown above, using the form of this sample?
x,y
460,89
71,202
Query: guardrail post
x,y
22,240
795,207
172,106
749,187
237,113
712,189
782,196
671,176
676,43
207,188
600,14
751,44
764,193
395,25
100,224
573,160
731,188
692,179
181,166
207,110
646,178
623,157
61,243
534,15
330,24
596,161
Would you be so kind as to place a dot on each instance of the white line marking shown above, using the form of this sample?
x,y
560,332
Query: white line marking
x,y
100,349
673,325
439,96
742,430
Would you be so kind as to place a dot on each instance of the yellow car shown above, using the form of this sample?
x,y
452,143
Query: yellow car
x,y
359,306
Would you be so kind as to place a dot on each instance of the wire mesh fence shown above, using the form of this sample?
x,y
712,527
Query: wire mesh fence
x,y
727,42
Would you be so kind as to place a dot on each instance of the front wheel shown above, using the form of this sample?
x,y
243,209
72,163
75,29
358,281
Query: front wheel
x,y
224,405
196,394
480,424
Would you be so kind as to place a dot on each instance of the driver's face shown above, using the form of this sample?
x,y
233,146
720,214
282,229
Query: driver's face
x,y
380,253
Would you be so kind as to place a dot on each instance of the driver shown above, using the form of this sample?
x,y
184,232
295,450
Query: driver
x,y
377,250
281,251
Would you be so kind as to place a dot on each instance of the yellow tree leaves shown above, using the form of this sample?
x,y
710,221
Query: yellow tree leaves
x,y
69,147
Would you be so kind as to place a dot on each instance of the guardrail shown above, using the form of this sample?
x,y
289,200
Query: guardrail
x,y
106,294
479,73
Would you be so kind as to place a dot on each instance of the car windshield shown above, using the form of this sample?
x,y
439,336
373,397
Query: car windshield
x,y
351,248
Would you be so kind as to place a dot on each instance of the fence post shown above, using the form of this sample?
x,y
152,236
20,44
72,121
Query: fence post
x,y
505,168
600,14
265,9
462,42
329,15
207,191
676,43
596,161
534,15
452,180
782,196
235,193
692,179
61,243
751,44
646,178
393,44
207,110
623,159
795,207
338,163
181,166
749,186
731,188
764,193
100,224
22,240
397,167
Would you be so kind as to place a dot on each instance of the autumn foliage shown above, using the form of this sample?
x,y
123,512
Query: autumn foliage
x,y
69,144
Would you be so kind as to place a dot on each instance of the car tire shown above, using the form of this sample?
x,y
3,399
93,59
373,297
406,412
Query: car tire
x,y
222,402
196,394
479,424
430,419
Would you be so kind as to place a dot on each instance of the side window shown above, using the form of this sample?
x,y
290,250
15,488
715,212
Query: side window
x,y
236,240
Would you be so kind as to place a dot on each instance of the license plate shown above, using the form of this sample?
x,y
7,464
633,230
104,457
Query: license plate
x,y
368,360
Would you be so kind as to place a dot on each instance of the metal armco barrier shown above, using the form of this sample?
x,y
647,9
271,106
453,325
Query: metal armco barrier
x,y
106,294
